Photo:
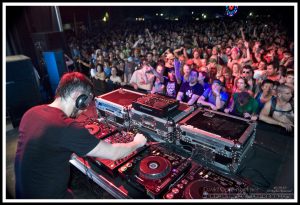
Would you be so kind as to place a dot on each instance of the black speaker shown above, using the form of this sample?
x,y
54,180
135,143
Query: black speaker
x,y
22,87
56,67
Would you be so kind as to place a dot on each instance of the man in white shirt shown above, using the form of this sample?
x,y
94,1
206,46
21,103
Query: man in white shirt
x,y
143,78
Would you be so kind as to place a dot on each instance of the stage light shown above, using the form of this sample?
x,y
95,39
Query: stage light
x,y
231,10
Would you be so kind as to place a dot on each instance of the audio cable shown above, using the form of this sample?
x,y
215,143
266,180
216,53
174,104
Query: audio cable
x,y
106,122
128,118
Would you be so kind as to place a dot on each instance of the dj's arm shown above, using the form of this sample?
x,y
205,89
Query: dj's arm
x,y
117,151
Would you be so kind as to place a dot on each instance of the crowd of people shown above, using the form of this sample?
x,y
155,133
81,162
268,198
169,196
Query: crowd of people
x,y
240,67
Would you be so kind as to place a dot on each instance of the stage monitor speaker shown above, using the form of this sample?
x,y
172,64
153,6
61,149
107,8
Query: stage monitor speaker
x,y
56,67
22,87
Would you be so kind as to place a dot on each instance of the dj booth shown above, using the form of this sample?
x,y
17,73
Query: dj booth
x,y
190,154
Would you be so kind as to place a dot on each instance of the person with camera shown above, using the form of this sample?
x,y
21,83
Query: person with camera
x,y
50,134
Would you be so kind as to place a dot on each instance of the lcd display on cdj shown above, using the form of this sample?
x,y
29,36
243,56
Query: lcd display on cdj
x,y
227,127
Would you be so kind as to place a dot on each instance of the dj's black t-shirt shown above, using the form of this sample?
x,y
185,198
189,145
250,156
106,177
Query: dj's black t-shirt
x,y
47,140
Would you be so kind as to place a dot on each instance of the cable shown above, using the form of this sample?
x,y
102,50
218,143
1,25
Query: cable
x,y
128,118
106,123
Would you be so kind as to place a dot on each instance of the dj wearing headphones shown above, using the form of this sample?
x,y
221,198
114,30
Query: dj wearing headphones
x,y
49,135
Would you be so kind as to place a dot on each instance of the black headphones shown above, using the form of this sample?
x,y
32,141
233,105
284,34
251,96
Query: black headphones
x,y
83,101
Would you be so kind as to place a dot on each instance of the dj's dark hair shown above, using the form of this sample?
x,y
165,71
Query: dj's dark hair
x,y
71,82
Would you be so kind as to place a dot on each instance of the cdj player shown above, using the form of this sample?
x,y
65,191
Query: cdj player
x,y
204,183
155,169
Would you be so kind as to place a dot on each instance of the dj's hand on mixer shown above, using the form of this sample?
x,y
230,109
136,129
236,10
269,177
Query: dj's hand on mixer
x,y
122,137
140,139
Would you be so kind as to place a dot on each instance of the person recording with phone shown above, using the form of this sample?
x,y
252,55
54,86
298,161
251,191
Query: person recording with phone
x,y
50,134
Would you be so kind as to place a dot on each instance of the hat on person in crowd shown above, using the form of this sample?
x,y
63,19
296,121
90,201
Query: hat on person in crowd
x,y
130,59
218,82
170,56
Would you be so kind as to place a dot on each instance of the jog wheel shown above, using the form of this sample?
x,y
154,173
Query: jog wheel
x,y
154,167
204,189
